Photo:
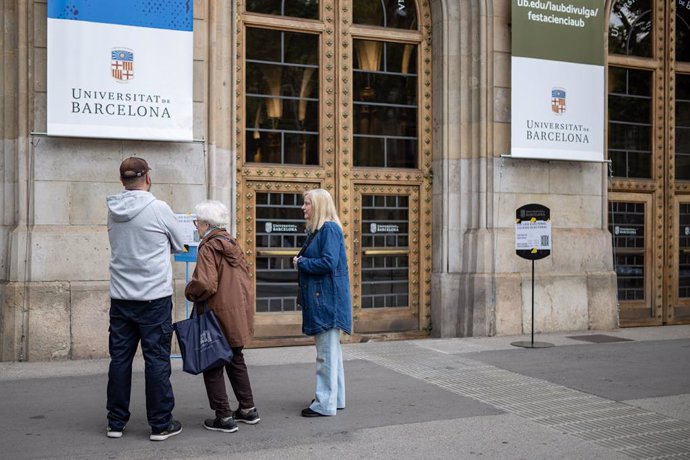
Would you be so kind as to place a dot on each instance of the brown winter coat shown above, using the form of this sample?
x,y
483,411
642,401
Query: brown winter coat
x,y
221,278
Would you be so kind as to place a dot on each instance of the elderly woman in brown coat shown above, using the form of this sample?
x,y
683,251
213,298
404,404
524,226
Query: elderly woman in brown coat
x,y
221,283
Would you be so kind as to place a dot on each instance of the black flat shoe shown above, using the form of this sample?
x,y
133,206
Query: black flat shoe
x,y
311,413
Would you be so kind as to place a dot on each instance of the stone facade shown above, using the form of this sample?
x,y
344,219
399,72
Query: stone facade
x,y
54,248
481,286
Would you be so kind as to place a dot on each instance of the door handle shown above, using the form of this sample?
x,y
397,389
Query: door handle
x,y
277,252
385,252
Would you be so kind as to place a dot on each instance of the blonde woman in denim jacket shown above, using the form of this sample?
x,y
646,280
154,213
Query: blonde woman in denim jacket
x,y
324,294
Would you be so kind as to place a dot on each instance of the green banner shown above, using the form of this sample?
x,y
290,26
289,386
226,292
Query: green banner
x,y
570,30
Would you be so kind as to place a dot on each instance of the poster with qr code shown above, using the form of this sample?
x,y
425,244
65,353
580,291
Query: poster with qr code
x,y
190,235
533,231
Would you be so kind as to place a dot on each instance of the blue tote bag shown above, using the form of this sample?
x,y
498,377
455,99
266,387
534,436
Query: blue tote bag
x,y
203,345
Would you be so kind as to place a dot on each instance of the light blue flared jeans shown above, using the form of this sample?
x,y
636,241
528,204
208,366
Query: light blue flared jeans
x,y
330,375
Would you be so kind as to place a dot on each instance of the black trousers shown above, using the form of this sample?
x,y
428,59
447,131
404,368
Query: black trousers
x,y
148,322
239,380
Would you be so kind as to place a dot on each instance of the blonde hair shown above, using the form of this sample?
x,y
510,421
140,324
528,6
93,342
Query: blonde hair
x,y
322,209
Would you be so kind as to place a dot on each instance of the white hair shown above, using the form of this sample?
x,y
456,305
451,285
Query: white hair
x,y
213,213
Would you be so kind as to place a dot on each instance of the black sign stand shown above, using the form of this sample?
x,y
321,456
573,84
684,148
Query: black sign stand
x,y
532,213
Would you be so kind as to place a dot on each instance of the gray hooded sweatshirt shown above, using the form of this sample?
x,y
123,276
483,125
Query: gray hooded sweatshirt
x,y
142,231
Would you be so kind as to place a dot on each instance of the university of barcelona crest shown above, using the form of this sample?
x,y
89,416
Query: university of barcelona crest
x,y
558,100
122,64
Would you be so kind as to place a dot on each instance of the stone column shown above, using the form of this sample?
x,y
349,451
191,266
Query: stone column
x,y
462,253
15,162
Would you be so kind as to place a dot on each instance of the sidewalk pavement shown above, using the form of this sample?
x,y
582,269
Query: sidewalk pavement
x,y
594,395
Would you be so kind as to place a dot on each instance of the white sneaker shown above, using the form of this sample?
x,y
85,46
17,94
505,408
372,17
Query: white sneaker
x,y
113,433
173,429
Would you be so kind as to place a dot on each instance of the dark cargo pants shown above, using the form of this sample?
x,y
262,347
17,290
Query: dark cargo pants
x,y
151,323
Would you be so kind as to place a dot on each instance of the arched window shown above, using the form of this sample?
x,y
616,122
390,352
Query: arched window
x,y
399,14
307,9
630,28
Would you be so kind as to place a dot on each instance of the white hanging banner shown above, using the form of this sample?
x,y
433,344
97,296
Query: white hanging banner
x,y
120,69
557,84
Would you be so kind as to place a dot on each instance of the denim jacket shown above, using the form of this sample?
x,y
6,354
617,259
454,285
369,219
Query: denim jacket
x,y
324,283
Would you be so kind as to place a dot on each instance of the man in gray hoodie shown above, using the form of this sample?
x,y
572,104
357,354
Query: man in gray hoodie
x,y
143,232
